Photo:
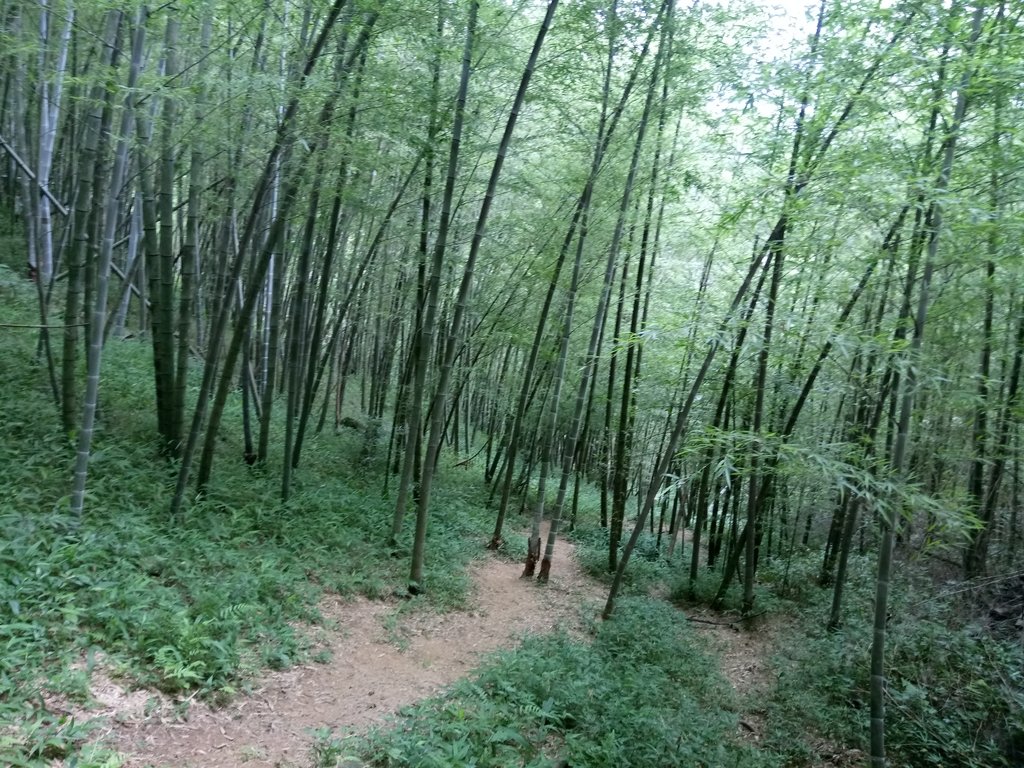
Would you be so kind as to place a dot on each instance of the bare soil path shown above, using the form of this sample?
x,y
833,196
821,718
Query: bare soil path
x,y
380,661
745,655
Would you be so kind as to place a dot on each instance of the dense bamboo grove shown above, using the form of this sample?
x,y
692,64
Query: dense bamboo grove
x,y
763,287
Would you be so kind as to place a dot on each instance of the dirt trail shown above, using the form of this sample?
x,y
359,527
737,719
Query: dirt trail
x,y
745,662
745,655
379,663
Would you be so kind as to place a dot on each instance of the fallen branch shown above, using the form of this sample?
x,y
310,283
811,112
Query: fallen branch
x,y
726,623
464,462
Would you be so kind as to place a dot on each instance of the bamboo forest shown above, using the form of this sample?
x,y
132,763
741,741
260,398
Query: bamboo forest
x,y
494,383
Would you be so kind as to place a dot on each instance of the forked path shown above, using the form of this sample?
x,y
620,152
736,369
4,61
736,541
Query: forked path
x,y
378,663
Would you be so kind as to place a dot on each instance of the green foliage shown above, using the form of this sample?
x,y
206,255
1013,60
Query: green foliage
x,y
817,694
642,693
514,547
797,579
41,737
955,693
647,567
327,750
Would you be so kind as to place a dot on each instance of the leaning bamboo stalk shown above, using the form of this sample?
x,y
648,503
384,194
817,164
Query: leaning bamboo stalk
x,y
80,240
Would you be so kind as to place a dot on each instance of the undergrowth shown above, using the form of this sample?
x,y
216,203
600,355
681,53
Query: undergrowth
x,y
647,567
955,693
180,606
642,693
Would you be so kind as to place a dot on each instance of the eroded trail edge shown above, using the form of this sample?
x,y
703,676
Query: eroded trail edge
x,y
378,663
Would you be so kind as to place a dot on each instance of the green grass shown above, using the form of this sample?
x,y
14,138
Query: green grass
x,y
642,693
179,606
